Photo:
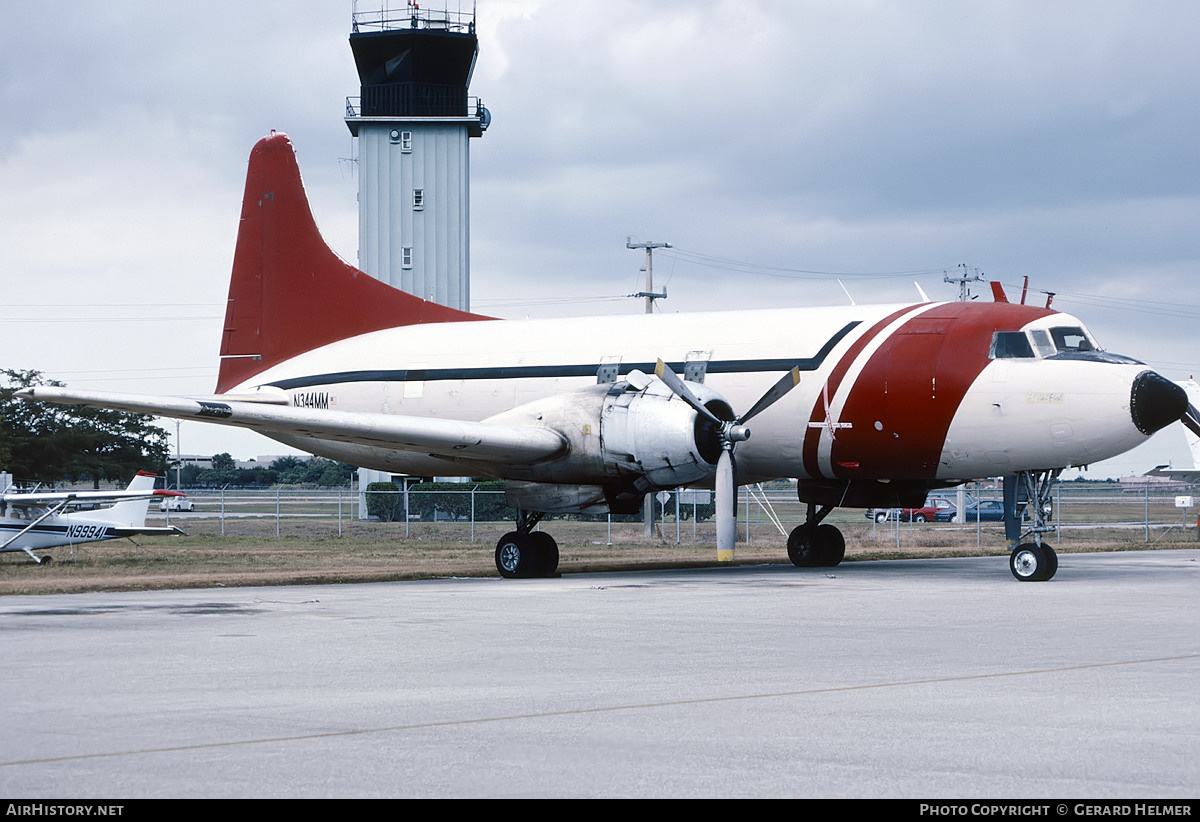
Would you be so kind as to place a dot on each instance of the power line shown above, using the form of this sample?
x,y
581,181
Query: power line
x,y
787,272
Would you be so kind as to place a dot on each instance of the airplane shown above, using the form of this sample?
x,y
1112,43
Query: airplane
x,y
37,520
864,406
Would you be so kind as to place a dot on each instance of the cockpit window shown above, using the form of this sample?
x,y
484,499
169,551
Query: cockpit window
x,y
1071,339
1008,345
1041,341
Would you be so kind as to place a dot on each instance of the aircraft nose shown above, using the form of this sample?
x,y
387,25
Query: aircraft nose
x,y
1155,402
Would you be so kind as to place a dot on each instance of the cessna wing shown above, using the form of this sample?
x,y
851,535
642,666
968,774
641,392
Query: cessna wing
x,y
447,439
42,498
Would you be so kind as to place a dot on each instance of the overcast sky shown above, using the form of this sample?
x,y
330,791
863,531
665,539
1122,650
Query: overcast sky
x,y
779,145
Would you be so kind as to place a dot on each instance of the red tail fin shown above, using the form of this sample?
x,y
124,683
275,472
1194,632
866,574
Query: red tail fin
x,y
289,292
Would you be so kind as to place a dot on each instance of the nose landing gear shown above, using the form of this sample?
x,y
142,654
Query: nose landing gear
x,y
1029,491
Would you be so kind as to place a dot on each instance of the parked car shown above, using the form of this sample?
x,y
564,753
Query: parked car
x,y
934,503
883,514
989,510
176,504
927,512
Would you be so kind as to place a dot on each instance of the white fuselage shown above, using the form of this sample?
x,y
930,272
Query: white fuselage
x,y
886,405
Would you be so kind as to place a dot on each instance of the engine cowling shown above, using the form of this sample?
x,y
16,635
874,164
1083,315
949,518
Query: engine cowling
x,y
625,439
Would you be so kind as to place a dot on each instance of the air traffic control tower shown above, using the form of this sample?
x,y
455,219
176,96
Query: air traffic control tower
x,y
413,122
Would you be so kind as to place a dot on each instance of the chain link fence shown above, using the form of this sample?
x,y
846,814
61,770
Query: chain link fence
x,y
1146,512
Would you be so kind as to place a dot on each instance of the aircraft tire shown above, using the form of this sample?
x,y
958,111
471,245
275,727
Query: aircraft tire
x,y
1033,563
819,547
832,545
802,546
1051,561
545,554
881,517
516,555
46,560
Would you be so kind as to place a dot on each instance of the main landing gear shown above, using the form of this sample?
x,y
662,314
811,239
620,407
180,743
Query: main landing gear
x,y
1030,490
526,553
813,545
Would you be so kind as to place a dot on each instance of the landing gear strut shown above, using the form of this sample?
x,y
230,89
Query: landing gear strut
x,y
1029,561
526,553
813,545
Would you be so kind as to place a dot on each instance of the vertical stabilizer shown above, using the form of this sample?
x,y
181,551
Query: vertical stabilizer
x,y
130,513
289,292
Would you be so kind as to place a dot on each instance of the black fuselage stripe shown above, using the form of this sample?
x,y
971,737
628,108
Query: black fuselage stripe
x,y
510,372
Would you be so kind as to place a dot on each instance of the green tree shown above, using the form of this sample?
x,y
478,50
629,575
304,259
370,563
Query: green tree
x,y
49,443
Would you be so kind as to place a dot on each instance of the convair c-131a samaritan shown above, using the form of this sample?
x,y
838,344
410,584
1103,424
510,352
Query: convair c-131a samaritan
x,y
865,406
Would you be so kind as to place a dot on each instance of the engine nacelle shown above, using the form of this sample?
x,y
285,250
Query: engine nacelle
x,y
626,439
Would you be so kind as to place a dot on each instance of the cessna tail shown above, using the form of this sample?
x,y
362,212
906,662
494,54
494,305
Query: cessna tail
x,y
865,406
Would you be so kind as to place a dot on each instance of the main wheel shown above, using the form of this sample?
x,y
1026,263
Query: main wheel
x,y
1033,563
880,516
516,555
802,547
545,553
822,546
833,545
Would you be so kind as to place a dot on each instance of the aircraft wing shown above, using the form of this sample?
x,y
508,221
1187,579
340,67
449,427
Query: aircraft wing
x,y
481,441
20,498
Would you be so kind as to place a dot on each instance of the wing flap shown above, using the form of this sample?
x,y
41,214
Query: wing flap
x,y
478,441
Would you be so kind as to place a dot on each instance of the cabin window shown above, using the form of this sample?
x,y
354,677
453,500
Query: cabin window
x,y
406,256
418,199
406,141
1008,345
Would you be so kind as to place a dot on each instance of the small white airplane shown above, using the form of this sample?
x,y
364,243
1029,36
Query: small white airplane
x,y
865,406
36,520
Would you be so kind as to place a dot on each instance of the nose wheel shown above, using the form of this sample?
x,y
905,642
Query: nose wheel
x,y
1030,562
1029,493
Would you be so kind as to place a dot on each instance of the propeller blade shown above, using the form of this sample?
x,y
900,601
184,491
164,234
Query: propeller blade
x,y
1191,419
673,381
726,505
786,383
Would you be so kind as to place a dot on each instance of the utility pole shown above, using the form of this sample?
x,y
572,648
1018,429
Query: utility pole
x,y
651,296
649,293
966,276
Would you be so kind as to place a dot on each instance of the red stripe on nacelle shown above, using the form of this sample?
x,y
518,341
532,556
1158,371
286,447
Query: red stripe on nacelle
x,y
289,292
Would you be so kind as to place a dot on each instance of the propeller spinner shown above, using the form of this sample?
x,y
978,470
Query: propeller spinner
x,y
730,433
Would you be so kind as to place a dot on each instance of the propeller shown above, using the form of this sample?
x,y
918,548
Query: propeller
x,y
730,432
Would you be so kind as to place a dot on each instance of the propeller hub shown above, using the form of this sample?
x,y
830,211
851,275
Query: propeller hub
x,y
735,433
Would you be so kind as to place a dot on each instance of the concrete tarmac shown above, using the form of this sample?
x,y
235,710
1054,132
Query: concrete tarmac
x,y
917,678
